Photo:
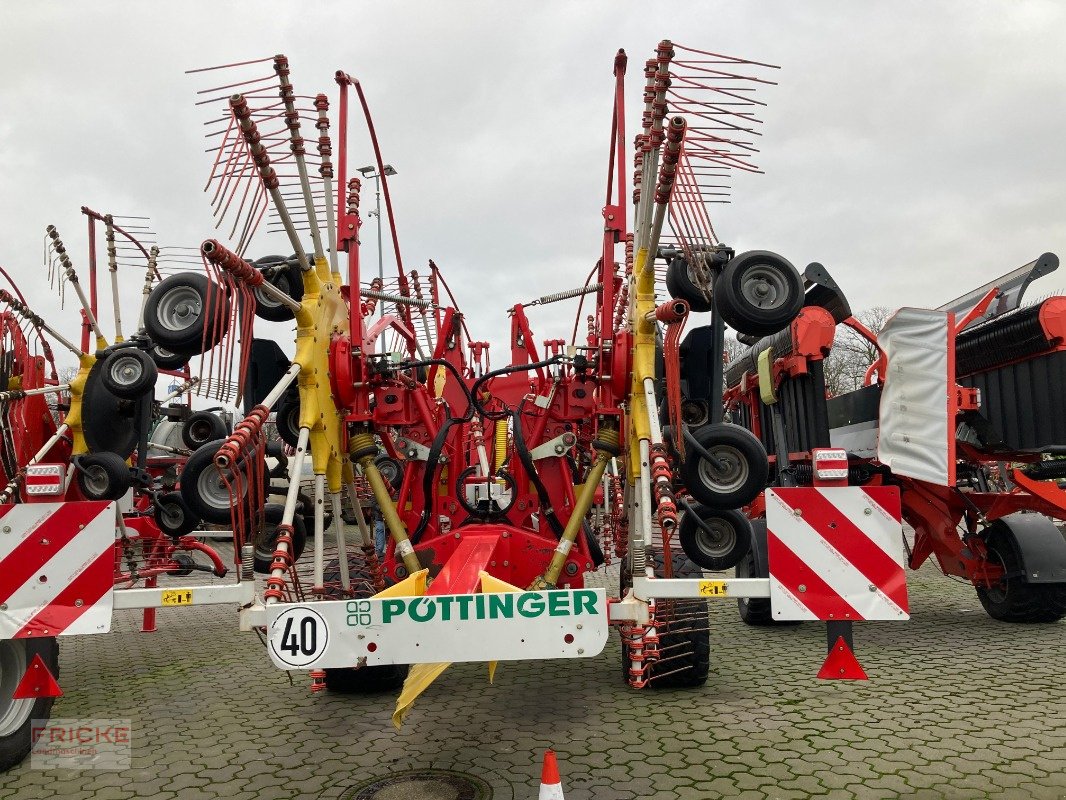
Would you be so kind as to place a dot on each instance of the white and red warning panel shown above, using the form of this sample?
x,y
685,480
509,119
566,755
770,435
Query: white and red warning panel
x,y
836,553
57,563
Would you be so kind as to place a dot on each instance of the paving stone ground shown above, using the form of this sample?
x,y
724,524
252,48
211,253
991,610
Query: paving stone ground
x,y
957,706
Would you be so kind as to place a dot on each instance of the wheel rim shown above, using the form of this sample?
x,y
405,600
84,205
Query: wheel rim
x,y
13,713
733,473
265,545
764,287
720,542
211,486
173,516
263,299
180,308
200,431
95,479
126,371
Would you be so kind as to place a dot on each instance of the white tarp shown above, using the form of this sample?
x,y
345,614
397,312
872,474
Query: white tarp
x,y
916,434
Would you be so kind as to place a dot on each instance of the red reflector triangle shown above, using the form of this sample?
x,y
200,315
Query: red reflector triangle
x,y
841,664
37,682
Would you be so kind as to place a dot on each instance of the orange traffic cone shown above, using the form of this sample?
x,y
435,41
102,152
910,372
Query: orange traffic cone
x,y
551,788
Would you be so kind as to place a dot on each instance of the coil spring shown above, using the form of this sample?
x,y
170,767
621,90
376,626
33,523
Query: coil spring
x,y
566,295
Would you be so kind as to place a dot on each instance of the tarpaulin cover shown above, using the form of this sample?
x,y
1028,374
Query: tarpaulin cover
x,y
916,431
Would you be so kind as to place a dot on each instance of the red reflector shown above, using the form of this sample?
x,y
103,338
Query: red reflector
x,y
37,682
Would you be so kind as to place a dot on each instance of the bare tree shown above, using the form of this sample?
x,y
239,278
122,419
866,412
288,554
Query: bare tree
x,y
852,354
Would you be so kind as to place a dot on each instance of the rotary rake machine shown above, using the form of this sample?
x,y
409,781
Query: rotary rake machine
x,y
501,488
960,411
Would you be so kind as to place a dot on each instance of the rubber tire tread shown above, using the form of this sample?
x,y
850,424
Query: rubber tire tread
x,y
692,671
689,532
215,423
1025,603
118,475
365,680
741,439
681,287
17,745
738,313
272,516
144,384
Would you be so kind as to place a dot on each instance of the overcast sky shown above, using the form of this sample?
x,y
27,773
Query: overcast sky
x,y
914,148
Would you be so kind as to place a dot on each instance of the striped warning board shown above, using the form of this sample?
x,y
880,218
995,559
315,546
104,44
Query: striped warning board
x,y
836,553
57,563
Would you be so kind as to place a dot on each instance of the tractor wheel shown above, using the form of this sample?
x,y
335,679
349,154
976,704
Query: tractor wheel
x,y
287,420
680,285
683,628
266,539
1014,600
758,293
285,277
103,476
741,474
16,716
756,611
363,680
201,428
173,515
165,359
129,373
728,541
187,313
203,487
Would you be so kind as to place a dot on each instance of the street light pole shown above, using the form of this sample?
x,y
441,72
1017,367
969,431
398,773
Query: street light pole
x,y
372,172
381,268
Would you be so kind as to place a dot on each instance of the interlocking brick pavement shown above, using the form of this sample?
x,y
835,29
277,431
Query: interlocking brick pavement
x,y
958,706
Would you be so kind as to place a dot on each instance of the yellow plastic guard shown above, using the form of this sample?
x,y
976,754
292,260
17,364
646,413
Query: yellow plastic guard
x,y
766,378
422,675
414,585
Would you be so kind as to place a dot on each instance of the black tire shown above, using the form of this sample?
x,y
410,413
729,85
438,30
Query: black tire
x,y
756,611
729,541
17,716
202,427
202,486
683,628
129,373
103,476
744,467
1014,600
284,276
276,450
111,424
173,515
305,507
758,293
266,538
167,360
364,680
287,419
680,285
187,313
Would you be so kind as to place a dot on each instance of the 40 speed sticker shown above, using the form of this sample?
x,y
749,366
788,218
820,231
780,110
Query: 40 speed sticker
x,y
298,637
508,626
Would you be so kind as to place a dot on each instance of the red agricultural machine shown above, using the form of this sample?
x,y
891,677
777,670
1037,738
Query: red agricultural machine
x,y
501,488
961,412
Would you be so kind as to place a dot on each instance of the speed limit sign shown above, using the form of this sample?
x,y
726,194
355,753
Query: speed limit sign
x,y
299,636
